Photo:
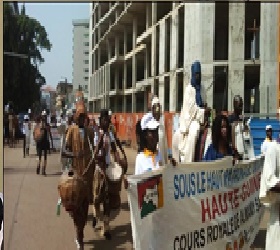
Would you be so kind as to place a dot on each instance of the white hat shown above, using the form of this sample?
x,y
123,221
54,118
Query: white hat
x,y
268,127
152,124
44,112
145,119
155,101
110,112
26,117
69,112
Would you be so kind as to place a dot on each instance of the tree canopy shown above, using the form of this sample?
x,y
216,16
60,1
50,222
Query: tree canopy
x,y
22,78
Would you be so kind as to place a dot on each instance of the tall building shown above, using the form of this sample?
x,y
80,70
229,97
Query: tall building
x,y
48,95
81,56
137,48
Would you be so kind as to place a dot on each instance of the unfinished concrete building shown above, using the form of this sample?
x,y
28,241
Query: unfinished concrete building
x,y
138,48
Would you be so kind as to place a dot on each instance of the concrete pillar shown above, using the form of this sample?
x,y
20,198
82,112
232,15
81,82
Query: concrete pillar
x,y
108,84
269,45
153,45
236,52
124,70
134,65
199,44
109,49
117,46
98,58
103,79
206,50
174,45
162,51
189,31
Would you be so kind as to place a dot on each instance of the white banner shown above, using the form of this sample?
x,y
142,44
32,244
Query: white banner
x,y
205,205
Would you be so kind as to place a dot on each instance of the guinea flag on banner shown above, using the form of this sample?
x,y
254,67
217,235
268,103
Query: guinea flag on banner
x,y
150,195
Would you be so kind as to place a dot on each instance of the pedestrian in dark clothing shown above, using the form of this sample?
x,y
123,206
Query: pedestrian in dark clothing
x,y
238,109
41,135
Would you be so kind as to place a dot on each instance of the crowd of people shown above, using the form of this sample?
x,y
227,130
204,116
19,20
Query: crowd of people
x,y
95,163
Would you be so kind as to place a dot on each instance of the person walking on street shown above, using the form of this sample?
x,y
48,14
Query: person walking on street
x,y
27,135
79,148
41,135
103,193
48,127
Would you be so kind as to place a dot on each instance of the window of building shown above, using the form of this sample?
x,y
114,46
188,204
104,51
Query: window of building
x,y
120,78
166,92
129,42
156,87
157,51
180,96
252,89
86,35
140,70
163,9
167,44
129,73
140,101
86,70
128,103
86,78
220,97
221,31
86,61
86,52
141,24
86,43
112,78
252,31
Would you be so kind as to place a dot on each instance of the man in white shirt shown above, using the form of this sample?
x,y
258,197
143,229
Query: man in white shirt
x,y
149,159
27,134
270,193
268,139
155,114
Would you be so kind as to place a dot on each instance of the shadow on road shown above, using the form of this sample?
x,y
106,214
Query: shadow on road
x,y
54,174
17,170
120,235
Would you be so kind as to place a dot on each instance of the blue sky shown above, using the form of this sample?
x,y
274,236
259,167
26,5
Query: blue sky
x,y
57,20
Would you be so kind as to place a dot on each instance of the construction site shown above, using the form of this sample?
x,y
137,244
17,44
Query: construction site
x,y
142,48
138,49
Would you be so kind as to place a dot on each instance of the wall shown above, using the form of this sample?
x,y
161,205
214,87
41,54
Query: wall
x,y
127,124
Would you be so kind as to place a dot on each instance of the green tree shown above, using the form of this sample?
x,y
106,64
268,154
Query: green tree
x,y
22,78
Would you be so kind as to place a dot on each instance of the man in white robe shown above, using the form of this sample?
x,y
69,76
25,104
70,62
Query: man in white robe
x,y
270,193
268,139
185,138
